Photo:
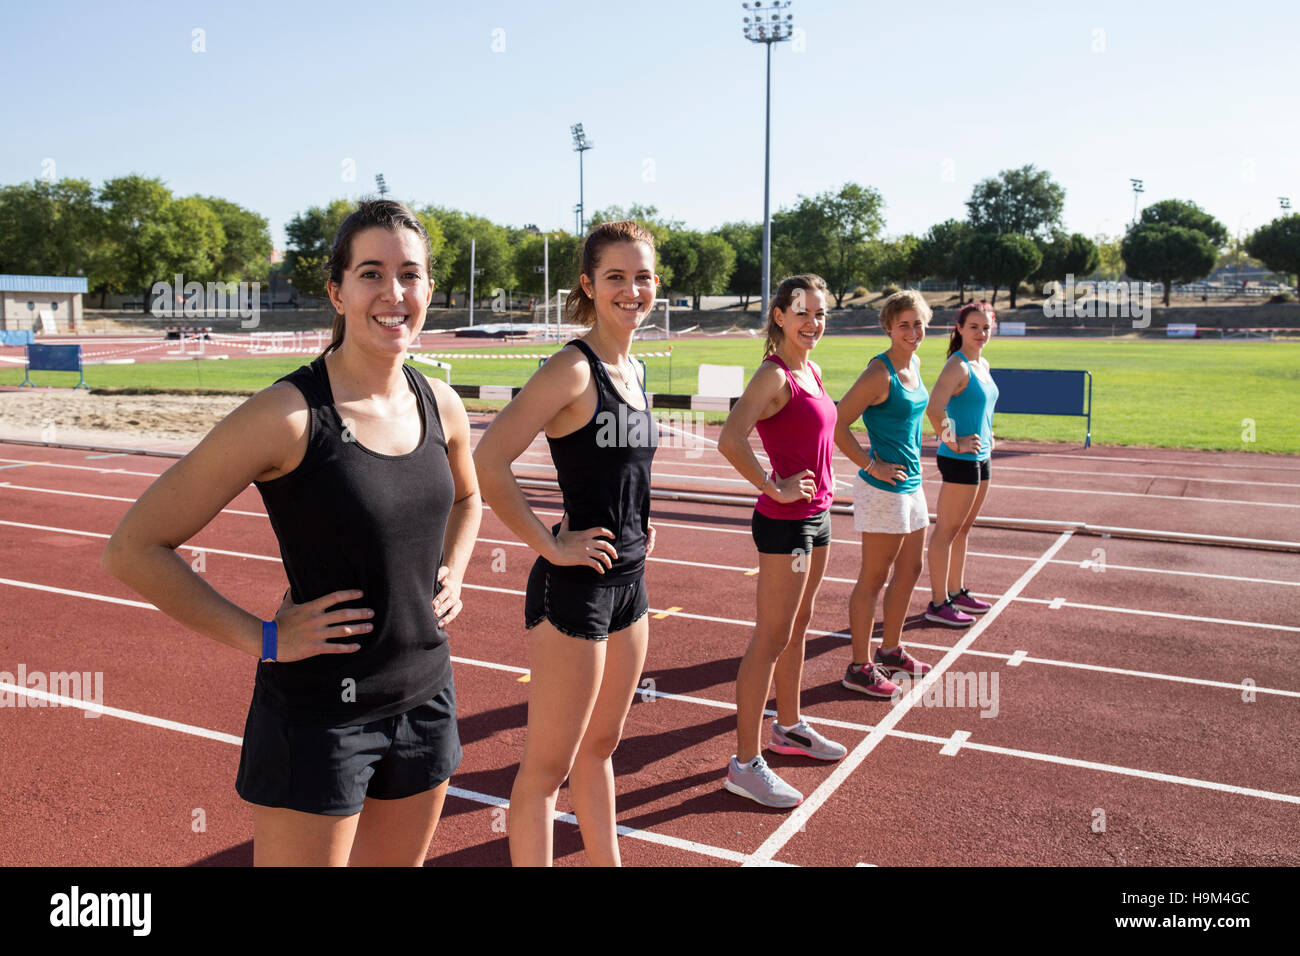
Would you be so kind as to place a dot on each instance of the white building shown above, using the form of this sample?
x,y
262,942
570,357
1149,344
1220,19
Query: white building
x,y
41,303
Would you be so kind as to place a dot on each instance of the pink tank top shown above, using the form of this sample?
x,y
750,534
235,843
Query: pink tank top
x,y
801,435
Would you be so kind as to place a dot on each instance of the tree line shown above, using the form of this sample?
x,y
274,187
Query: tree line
x,y
131,232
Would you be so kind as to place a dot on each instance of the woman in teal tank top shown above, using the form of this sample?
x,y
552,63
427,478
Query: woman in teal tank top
x,y
888,503
961,411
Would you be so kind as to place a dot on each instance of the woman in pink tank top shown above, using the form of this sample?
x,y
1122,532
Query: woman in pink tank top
x,y
795,418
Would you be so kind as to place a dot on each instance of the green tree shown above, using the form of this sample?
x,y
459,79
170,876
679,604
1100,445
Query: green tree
x,y
1023,201
896,261
1170,254
1277,245
937,254
195,239
141,232
311,235
564,254
1072,254
830,234
747,277
492,253
246,253
1110,259
998,261
701,263
1179,212
50,228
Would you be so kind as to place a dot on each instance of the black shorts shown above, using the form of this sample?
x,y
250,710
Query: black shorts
x,y
787,535
963,471
332,770
580,609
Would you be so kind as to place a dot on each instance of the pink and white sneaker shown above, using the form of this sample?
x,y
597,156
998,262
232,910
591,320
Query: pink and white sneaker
x,y
963,600
947,614
898,661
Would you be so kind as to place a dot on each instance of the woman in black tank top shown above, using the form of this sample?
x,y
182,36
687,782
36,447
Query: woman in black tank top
x,y
369,484
586,602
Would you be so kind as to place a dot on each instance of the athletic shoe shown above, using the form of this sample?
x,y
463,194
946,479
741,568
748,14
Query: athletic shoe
x,y
963,600
948,614
757,781
898,661
803,741
870,680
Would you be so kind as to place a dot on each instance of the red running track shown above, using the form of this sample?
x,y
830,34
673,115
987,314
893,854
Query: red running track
x,y
1144,708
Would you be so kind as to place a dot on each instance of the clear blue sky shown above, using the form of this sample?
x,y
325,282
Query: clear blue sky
x,y
919,100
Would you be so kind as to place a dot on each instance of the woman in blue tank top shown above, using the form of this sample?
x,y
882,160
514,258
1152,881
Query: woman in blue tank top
x,y
888,504
961,411
586,603
366,472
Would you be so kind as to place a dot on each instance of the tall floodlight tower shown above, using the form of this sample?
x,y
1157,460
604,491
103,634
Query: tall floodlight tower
x,y
580,145
1138,189
767,24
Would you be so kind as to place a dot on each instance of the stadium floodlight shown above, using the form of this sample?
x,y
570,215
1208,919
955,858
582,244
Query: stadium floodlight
x,y
1138,189
379,182
1284,202
768,24
580,145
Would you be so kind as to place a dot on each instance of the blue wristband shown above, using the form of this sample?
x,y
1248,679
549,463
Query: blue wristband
x,y
268,641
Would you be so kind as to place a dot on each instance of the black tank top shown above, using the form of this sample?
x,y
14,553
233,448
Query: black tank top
x,y
604,473
350,518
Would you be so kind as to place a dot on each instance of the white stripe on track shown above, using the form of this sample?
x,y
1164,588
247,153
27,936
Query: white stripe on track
x,y
123,714
86,494
799,816
1166,614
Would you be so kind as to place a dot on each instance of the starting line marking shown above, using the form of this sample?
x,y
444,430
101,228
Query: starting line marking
x,y
1015,659
954,743
663,614
1056,603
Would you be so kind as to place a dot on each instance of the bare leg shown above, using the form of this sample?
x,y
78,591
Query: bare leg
x,y
398,832
907,571
878,554
591,781
789,666
950,511
292,838
957,567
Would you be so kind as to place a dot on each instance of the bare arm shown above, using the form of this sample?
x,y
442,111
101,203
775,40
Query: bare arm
x,y
256,440
871,388
952,380
761,399
553,389
467,508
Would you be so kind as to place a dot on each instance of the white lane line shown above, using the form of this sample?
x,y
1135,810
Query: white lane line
x,y
123,714
1057,603
799,815
102,471
648,836
865,728
1138,494
955,742
86,494
1134,474
81,594
1016,659
1163,461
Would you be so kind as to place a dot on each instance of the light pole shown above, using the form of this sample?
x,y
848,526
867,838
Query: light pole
x,y
381,185
580,145
1138,189
1284,202
767,25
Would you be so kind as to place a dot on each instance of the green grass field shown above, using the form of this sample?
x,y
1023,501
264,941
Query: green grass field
x,y
1176,394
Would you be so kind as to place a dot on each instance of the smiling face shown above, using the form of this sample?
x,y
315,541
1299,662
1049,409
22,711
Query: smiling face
x,y
976,330
907,331
804,323
385,289
624,284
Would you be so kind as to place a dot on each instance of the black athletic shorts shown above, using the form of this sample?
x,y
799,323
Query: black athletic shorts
x,y
332,770
787,535
589,611
963,471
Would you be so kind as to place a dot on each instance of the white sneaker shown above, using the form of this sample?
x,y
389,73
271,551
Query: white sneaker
x,y
757,781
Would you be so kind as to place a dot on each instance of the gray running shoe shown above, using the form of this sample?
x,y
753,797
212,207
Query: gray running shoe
x,y
757,781
801,740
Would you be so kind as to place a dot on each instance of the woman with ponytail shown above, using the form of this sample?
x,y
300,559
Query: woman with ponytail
x,y
586,603
795,418
961,411
364,466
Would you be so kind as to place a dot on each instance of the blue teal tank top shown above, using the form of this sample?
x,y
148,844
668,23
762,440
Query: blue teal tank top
x,y
972,413
894,428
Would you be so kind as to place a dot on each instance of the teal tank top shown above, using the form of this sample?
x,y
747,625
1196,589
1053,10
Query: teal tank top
x,y
894,428
972,414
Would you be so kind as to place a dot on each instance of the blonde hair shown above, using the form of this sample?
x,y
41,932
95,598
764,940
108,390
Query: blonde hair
x,y
578,306
906,301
